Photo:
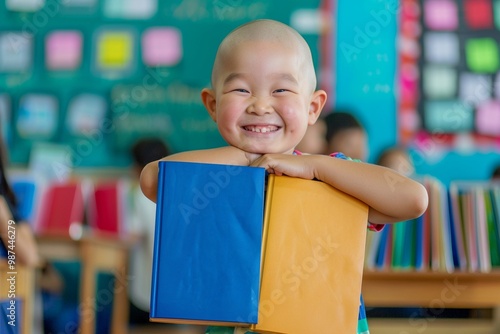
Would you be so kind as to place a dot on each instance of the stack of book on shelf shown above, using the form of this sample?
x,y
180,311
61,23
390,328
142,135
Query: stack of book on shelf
x,y
460,231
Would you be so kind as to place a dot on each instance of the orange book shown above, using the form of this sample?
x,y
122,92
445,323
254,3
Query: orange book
x,y
312,262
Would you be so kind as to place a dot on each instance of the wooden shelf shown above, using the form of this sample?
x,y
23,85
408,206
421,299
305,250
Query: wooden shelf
x,y
431,289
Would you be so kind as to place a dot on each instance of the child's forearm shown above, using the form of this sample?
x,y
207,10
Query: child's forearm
x,y
392,196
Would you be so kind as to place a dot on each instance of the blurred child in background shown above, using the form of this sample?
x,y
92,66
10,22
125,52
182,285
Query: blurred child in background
x,y
346,134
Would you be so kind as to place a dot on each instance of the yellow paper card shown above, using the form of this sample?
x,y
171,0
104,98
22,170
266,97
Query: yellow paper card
x,y
115,50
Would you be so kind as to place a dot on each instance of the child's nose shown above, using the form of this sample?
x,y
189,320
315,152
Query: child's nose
x,y
260,105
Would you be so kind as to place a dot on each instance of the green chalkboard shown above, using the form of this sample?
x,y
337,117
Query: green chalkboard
x,y
49,94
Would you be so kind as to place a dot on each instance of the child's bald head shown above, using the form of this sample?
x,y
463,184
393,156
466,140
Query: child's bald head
x,y
268,31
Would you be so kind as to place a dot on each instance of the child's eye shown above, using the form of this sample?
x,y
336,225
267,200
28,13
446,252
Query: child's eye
x,y
281,90
240,90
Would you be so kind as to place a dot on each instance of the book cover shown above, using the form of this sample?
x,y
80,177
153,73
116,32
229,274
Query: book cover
x,y
410,240
482,230
208,241
457,228
419,243
469,224
62,207
495,203
398,244
447,253
106,207
385,241
371,249
493,233
25,191
312,259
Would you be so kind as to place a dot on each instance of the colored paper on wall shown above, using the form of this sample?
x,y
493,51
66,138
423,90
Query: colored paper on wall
x,y
441,14
488,118
24,5
63,50
16,51
441,47
478,14
474,88
5,117
37,116
439,82
161,46
130,9
115,51
448,116
482,55
86,114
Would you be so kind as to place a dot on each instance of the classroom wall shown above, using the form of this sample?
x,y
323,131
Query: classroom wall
x,y
62,84
90,77
367,81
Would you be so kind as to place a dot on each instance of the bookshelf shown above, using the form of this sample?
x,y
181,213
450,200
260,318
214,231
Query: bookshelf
x,y
432,289
436,290
448,258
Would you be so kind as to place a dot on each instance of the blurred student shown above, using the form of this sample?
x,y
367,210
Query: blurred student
x,y
398,159
495,175
346,134
142,228
26,251
314,141
17,240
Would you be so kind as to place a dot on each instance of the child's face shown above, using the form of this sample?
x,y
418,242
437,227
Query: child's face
x,y
262,99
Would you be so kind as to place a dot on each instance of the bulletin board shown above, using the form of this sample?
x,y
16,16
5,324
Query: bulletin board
x,y
450,73
94,76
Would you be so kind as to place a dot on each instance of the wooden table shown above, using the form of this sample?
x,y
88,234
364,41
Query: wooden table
x,y
97,254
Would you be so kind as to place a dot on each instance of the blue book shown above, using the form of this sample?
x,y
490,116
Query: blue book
x,y
25,195
385,241
208,241
419,243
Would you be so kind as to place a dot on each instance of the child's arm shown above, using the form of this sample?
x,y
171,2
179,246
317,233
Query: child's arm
x,y
391,196
223,155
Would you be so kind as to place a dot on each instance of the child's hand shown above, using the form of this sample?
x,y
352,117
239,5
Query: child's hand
x,y
287,164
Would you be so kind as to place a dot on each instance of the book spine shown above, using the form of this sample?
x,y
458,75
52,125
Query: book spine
x,y
156,247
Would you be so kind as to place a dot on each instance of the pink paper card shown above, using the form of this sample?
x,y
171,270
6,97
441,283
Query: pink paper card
x,y
63,50
161,46
441,14
488,118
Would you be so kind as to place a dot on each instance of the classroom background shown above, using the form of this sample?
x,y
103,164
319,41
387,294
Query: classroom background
x,y
82,80
90,77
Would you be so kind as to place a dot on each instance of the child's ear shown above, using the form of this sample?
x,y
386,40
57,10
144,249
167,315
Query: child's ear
x,y
208,99
318,101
